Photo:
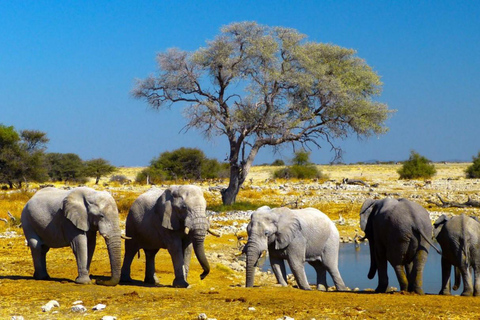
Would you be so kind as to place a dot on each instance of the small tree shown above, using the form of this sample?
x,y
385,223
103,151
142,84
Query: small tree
x,y
473,171
98,168
265,86
21,156
65,167
417,166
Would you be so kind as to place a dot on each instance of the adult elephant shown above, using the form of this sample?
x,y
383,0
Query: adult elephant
x,y
398,231
174,219
55,218
298,236
459,238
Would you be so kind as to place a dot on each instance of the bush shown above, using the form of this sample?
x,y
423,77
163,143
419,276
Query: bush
x,y
278,163
302,168
416,167
183,163
473,171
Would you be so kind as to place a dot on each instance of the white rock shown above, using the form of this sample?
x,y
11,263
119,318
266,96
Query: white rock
x,y
79,308
202,316
77,302
99,307
252,309
50,305
17,318
109,318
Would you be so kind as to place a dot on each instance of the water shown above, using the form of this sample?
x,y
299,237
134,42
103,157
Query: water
x,y
355,263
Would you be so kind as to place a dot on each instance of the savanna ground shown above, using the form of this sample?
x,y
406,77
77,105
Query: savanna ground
x,y
222,294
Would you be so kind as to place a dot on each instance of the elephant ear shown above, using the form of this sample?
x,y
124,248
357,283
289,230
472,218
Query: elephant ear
x,y
75,209
170,220
288,227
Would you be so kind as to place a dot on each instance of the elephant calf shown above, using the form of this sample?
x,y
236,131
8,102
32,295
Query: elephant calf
x,y
174,219
459,238
55,218
299,236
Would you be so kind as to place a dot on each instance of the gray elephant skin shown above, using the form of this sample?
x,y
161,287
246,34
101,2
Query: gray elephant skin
x,y
399,232
55,218
173,219
298,236
459,238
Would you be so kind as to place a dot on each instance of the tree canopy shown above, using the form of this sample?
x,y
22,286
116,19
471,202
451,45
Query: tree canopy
x,y
417,166
98,168
266,86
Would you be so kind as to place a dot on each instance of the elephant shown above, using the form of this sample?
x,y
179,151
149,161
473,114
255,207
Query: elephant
x,y
173,219
400,232
298,236
459,238
55,218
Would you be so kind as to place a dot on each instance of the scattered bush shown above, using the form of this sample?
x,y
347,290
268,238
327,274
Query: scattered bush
x,y
119,178
473,171
416,167
278,163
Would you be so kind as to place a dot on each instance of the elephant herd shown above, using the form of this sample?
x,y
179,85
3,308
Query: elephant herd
x,y
399,232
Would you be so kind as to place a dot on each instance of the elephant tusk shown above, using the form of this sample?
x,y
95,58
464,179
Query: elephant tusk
x,y
264,252
187,230
125,237
213,233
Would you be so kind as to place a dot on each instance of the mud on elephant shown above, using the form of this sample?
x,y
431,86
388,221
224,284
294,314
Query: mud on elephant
x,y
55,218
173,219
399,232
298,236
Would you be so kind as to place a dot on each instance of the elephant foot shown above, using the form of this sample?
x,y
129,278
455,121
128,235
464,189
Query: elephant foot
x,y
41,276
445,293
83,280
152,280
467,293
180,283
126,278
321,287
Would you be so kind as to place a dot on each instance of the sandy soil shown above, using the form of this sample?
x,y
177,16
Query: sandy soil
x,y
222,294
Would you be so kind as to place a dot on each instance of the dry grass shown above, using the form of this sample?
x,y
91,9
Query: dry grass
x,y
222,294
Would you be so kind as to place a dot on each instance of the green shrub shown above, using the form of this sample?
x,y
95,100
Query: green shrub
x,y
473,171
416,167
278,163
302,168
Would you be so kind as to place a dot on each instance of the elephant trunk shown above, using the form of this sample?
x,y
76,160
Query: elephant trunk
x,y
114,245
252,258
199,249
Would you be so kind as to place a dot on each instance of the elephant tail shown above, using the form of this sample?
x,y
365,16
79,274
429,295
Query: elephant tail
x,y
429,241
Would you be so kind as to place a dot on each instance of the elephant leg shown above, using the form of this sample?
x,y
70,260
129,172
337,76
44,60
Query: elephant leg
x,y
150,276
467,279
39,256
298,269
79,246
131,249
382,275
337,278
187,256
476,286
401,277
176,253
416,277
321,272
279,270
92,241
446,275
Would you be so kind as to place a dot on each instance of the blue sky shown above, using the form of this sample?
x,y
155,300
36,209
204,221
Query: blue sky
x,y
67,68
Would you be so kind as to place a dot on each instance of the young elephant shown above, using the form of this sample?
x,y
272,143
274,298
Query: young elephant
x,y
398,231
299,236
174,219
459,238
55,218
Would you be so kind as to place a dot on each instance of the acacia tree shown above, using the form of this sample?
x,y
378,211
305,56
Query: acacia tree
x,y
98,168
266,86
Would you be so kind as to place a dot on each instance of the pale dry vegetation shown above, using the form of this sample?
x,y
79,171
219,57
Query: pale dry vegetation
x,y
222,294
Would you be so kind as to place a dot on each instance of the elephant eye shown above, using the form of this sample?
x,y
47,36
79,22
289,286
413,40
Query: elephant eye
x,y
267,233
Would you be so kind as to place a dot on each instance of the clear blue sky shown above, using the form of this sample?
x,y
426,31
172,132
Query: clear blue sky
x,y
67,68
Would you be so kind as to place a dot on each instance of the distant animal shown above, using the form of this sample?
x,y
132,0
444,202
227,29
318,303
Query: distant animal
x,y
298,236
55,218
399,232
173,219
459,238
